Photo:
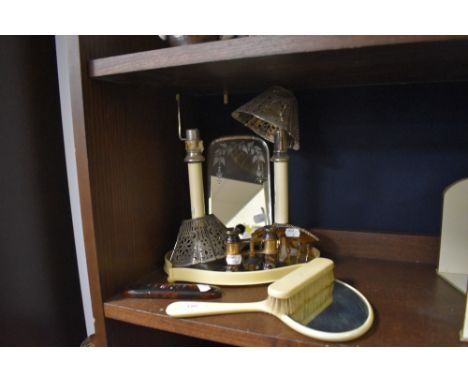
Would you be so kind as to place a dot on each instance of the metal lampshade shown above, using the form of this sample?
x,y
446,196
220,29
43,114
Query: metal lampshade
x,y
273,110
199,241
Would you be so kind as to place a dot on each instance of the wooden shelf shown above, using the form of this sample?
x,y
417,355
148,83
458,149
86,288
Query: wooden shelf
x,y
301,62
132,197
413,306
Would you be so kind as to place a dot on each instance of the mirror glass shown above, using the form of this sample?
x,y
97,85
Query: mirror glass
x,y
239,182
348,311
349,316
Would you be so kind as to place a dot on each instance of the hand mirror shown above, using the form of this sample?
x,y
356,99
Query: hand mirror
x,y
348,316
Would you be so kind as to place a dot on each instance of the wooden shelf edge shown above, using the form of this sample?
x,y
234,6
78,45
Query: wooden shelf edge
x,y
243,48
191,328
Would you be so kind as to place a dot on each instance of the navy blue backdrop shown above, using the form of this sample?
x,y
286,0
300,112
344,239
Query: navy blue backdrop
x,y
372,158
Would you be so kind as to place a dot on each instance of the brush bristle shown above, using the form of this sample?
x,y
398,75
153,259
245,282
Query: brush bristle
x,y
304,293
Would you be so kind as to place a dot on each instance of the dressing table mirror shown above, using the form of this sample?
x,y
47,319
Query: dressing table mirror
x,y
239,182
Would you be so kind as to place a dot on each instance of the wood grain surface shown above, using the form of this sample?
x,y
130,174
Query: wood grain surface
x,y
412,306
301,62
242,48
384,246
131,175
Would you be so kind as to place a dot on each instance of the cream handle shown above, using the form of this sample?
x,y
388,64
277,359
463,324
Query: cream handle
x,y
197,197
195,308
281,192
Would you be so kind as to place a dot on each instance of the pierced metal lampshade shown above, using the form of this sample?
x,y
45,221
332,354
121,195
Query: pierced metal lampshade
x,y
199,241
275,109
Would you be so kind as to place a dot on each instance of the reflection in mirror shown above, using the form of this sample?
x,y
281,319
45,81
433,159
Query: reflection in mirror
x,y
239,182
348,311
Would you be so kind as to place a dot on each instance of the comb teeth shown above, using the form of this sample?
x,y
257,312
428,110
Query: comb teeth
x,y
309,300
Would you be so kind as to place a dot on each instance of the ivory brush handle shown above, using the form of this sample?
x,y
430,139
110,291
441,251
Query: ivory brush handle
x,y
197,197
281,192
196,309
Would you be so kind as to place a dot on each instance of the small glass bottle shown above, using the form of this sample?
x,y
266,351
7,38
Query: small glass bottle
x,y
253,262
233,252
270,248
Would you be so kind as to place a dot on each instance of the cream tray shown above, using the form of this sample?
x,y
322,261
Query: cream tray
x,y
214,277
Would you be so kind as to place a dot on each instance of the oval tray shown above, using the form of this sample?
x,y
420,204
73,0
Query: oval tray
x,y
226,278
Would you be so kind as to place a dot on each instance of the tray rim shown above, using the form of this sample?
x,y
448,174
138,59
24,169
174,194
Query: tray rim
x,y
227,278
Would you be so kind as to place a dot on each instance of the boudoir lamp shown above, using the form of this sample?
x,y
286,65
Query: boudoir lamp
x,y
273,116
201,238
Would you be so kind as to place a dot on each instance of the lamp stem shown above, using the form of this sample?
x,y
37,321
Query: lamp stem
x,y
197,197
281,192
280,159
194,159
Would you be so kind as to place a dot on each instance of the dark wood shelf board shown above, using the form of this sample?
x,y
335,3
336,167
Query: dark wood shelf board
x,y
413,307
300,62
383,246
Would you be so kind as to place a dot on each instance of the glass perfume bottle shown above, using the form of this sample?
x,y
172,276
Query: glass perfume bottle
x,y
233,250
254,261
270,248
294,244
